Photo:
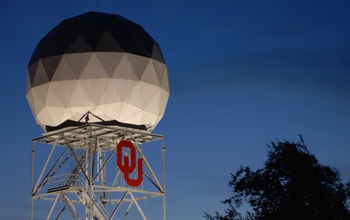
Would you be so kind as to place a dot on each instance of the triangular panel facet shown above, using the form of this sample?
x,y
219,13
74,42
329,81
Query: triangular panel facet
x,y
110,61
79,45
108,43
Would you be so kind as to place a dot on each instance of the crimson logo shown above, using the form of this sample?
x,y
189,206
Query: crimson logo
x,y
128,165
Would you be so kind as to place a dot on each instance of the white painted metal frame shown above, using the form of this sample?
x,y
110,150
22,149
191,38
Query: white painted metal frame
x,y
79,174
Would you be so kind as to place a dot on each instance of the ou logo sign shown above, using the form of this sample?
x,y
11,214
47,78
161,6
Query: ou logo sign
x,y
128,167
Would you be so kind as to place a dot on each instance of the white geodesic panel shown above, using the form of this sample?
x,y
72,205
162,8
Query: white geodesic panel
x,y
129,88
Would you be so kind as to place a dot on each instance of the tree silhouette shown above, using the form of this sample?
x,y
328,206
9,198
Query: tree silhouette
x,y
293,185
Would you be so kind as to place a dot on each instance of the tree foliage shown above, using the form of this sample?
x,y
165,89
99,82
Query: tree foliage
x,y
292,185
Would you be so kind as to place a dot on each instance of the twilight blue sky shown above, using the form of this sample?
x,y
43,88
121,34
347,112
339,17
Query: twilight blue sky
x,y
242,73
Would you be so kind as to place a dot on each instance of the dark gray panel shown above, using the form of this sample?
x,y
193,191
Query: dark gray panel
x,y
50,64
108,43
92,27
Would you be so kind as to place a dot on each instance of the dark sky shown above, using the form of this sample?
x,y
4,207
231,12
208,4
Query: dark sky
x,y
242,74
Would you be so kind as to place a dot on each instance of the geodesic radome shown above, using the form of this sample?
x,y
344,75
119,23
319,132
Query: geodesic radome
x,y
99,63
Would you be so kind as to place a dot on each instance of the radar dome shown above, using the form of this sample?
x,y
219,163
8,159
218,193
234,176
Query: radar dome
x,y
101,64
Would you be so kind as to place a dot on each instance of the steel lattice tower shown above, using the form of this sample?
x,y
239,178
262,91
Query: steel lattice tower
x,y
81,177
